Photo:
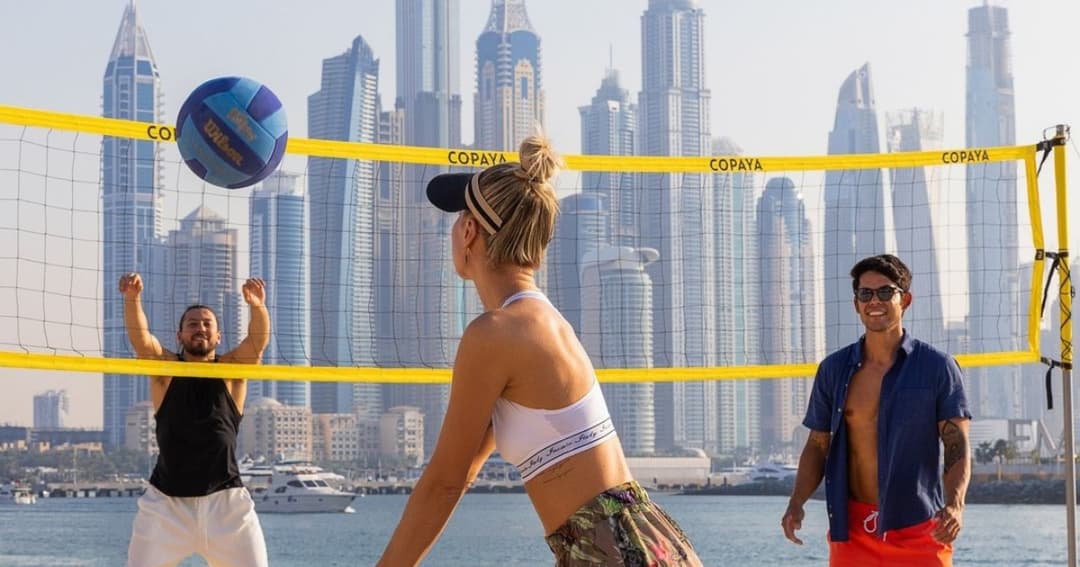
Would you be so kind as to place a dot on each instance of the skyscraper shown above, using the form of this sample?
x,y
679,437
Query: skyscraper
x,y
342,230
674,218
995,303
589,220
394,345
509,98
202,259
279,255
788,326
427,305
854,206
580,228
914,190
609,128
50,408
738,308
428,71
418,299
616,331
131,177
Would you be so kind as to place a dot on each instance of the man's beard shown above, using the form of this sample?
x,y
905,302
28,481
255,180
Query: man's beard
x,y
200,349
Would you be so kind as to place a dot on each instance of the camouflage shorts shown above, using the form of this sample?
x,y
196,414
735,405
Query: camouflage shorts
x,y
622,527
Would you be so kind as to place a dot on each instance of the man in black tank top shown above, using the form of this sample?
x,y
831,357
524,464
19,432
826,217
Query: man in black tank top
x,y
195,503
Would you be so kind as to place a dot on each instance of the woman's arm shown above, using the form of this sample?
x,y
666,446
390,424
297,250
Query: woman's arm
x,y
464,444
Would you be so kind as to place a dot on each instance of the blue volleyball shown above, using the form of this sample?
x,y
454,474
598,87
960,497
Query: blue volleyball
x,y
232,132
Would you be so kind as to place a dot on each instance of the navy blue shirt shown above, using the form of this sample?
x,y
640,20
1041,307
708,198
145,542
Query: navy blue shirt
x,y
923,386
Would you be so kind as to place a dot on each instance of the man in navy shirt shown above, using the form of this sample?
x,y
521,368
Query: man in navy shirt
x,y
877,412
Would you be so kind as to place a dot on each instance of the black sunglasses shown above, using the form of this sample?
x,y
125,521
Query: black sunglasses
x,y
886,293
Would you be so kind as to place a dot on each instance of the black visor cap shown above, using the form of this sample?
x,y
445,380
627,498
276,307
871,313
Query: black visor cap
x,y
447,191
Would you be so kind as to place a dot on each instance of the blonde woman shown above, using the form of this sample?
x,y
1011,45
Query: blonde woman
x,y
523,384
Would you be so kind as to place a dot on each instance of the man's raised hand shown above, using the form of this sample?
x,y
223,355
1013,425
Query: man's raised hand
x,y
131,285
255,292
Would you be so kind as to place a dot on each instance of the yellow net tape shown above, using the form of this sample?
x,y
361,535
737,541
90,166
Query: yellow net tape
x,y
482,158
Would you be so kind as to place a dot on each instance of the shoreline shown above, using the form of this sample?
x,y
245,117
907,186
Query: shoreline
x,y
1033,491
1028,491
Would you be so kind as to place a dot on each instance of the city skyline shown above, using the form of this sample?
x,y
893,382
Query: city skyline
x,y
465,36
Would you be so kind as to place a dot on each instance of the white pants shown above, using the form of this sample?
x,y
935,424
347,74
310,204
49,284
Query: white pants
x,y
221,527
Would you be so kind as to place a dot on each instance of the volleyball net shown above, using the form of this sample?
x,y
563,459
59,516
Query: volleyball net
x,y
674,269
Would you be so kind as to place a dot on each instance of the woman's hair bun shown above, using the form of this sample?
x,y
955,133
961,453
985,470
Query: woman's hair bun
x,y
539,162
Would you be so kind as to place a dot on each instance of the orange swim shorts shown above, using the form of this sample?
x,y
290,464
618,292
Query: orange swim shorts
x,y
913,546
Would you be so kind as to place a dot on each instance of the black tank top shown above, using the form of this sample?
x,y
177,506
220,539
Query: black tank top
x,y
197,425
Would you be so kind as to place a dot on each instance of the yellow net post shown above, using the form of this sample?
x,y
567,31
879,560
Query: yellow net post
x,y
1065,306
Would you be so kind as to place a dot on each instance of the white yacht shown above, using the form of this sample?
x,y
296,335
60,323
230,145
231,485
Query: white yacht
x,y
301,490
255,476
735,474
774,471
12,494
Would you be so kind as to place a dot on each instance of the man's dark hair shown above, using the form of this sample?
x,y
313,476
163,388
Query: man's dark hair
x,y
193,307
885,264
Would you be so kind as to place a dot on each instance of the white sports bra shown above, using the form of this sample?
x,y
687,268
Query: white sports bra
x,y
534,439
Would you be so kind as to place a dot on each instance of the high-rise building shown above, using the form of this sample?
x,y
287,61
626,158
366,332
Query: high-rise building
x,y
616,331
509,98
202,258
50,408
914,192
995,303
278,254
342,230
609,128
674,218
854,206
580,228
589,220
788,327
407,228
428,71
131,177
394,346
737,306
427,300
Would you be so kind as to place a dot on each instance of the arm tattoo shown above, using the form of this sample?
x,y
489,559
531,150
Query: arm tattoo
x,y
956,444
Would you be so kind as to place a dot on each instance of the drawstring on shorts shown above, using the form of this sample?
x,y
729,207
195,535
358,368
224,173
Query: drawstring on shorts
x,y
870,520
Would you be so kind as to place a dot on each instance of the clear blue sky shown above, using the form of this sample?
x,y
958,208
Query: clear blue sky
x,y
774,68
